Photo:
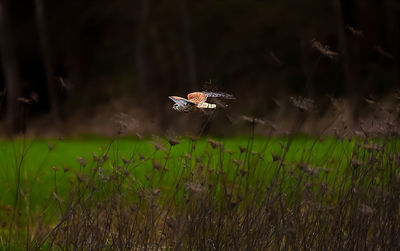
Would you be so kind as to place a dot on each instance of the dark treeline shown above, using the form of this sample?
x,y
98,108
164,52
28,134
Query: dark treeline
x,y
59,57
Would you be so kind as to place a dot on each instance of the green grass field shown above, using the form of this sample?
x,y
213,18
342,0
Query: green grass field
x,y
46,181
37,176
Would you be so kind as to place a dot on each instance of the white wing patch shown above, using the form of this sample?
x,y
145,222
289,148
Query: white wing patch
x,y
206,105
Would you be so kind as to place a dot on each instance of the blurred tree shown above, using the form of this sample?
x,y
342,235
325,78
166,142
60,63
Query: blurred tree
x,y
189,46
350,78
15,117
146,50
141,59
46,48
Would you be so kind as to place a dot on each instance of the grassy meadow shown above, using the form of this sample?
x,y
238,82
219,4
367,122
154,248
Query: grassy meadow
x,y
240,193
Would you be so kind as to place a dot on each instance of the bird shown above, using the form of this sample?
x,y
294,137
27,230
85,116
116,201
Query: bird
x,y
197,100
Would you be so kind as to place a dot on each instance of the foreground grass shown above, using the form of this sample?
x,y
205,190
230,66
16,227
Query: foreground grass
x,y
235,193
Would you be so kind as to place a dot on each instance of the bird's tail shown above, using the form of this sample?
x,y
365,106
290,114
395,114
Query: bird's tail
x,y
219,95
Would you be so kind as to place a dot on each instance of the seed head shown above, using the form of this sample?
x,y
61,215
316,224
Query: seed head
x,y
195,188
155,192
253,120
242,149
82,161
95,157
275,157
323,49
125,161
237,162
55,168
356,163
173,142
303,104
214,144
80,177
365,209
157,166
354,32
141,157
24,100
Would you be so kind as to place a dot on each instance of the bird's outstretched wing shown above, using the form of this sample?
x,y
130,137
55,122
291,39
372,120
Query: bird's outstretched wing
x,y
197,97
181,101
218,95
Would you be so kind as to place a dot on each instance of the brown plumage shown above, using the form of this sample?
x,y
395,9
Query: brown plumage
x,y
197,97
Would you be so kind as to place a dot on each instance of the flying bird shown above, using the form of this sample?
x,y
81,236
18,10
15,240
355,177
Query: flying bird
x,y
197,100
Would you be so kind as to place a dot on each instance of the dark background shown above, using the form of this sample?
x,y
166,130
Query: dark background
x,y
82,65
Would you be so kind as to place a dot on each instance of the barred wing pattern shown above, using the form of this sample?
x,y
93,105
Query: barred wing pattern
x,y
218,95
182,101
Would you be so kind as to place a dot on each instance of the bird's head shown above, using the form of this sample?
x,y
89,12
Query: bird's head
x,y
175,107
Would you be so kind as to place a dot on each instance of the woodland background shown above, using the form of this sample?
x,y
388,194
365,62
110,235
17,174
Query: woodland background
x,y
69,66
